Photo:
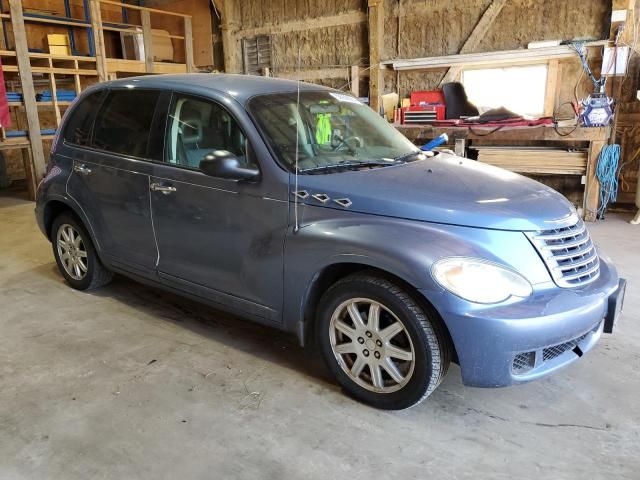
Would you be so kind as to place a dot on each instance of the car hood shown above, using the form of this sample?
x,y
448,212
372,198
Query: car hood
x,y
443,189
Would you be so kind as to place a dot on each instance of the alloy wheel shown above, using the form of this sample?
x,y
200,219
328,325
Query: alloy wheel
x,y
72,251
372,345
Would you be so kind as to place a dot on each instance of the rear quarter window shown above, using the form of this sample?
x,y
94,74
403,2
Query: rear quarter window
x,y
78,128
124,122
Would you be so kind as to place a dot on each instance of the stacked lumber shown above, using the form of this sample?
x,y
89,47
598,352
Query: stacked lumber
x,y
535,160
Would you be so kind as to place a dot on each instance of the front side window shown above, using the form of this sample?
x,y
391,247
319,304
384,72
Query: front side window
x,y
123,124
78,127
196,127
331,129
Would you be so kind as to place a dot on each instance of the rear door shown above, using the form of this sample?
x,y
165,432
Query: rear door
x,y
217,236
110,178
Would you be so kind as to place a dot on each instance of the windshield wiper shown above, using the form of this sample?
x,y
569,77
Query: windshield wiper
x,y
347,166
406,156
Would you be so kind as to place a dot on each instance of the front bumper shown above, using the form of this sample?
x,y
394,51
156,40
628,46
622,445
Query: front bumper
x,y
522,341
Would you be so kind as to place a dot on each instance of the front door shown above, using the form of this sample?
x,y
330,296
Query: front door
x,y
219,236
110,178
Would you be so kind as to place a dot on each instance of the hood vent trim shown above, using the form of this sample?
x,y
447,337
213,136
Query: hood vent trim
x,y
343,202
302,194
321,197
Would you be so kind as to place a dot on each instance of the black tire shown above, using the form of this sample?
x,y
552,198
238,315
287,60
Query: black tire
x,y
96,274
427,339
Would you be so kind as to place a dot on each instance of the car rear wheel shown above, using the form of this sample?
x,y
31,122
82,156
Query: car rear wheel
x,y
381,345
75,254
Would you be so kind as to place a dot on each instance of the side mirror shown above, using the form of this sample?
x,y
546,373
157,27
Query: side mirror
x,y
224,164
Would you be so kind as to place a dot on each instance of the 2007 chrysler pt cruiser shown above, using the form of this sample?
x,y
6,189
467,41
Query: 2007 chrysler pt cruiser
x,y
298,207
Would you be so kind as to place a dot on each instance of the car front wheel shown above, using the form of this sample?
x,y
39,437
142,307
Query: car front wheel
x,y
381,345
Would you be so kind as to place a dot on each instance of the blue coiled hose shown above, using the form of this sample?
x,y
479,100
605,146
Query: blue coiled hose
x,y
607,173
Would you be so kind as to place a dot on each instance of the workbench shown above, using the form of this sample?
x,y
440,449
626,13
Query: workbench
x,y
596,138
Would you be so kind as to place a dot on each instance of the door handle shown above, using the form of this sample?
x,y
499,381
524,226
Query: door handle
x,y
82,168
166,189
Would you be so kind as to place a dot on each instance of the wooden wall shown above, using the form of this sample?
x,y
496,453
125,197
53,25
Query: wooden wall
x,y
327,34
332,35
200,10
335,33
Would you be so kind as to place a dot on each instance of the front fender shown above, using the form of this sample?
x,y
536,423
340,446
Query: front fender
x,y
404,248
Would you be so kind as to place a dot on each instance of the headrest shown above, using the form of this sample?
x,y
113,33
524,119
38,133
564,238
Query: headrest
x,y
457,103
191,126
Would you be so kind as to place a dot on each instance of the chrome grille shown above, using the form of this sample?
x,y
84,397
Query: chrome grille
x,y
569,254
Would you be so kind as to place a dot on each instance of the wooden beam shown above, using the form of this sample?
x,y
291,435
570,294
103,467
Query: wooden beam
x,y
3,43
188,44
477,35
592,185
551,88
136,29
347,18
98,39
501,57
54,94
376,44
422,133
76,81
355,80
28,91
230,44
147,40
305,75
136,66
143,9
629,6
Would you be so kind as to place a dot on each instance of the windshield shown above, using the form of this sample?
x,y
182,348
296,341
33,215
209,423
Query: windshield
x,y
333,130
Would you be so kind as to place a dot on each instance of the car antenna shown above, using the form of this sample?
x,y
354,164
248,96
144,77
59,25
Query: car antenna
x,y
296,226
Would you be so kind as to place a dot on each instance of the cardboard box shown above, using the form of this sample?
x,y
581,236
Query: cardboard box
x,y
58,44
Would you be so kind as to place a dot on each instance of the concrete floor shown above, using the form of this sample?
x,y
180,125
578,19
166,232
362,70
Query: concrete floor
x,y
129,382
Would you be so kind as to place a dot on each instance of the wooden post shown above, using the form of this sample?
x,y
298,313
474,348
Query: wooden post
x,y
266,72
98,39
76,79
477,34
54,93
147,40
376,43
28,92
3,44
188,44
551,88
27,164
229,43
355,80
460,147
592,185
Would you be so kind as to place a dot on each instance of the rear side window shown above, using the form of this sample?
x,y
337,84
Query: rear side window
x,y
78,127
123,123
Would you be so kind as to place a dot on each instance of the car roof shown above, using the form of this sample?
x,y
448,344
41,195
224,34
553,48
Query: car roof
x,y
240,87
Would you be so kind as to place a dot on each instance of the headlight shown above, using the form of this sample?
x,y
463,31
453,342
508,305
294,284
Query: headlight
x,y
478,280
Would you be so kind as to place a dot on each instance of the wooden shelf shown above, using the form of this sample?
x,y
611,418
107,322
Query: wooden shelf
x,y
137,66
42,104
541,133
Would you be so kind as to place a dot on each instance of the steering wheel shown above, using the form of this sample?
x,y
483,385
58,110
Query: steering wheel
x,y
346,141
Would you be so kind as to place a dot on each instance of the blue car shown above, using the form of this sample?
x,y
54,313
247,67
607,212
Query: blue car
x,y
298,207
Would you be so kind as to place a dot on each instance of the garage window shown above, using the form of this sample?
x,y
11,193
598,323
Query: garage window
x,y
519,89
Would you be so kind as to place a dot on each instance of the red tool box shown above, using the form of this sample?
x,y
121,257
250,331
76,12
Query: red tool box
x,y
426,106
